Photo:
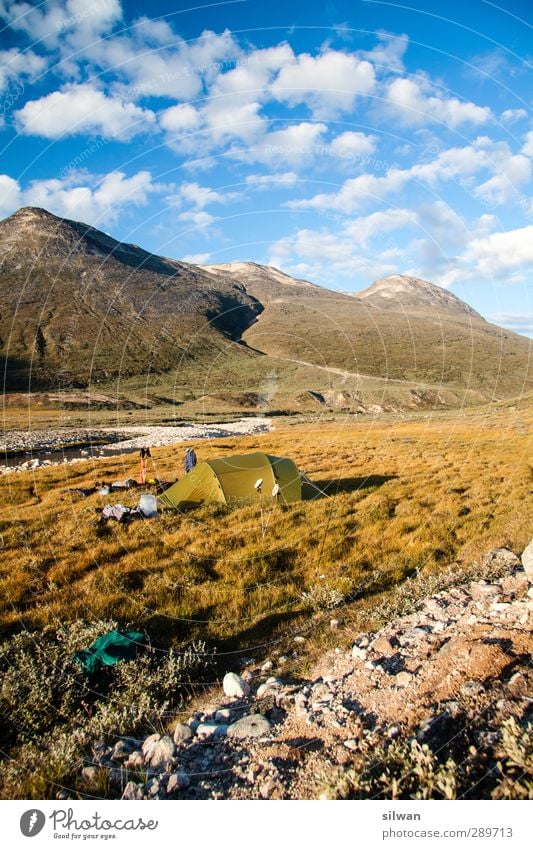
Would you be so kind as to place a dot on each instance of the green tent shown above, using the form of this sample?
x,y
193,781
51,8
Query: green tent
x,y
232,480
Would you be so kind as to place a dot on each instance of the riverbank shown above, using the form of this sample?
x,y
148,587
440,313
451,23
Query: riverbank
x,y
41,445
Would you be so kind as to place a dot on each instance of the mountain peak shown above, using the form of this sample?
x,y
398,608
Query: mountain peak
x,y
399,291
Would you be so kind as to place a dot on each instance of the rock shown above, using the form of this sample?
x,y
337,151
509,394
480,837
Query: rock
x,y
182,733
527,560
283,658
158,751
223,715
271,684
267,788
517,685
121,750
234,685
383,646
438,731
502,558
299,639
403,679
393,731
515,585
334,624
472,688
351,744
135,760
132,791
177,781
256,725
359,653
267,666
211,729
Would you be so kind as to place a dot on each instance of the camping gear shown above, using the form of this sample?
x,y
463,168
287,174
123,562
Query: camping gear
x,y
110,648
115,511
148,506
232,481
129,483
190,460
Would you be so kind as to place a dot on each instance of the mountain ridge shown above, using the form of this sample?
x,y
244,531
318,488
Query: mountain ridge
x,y
80,307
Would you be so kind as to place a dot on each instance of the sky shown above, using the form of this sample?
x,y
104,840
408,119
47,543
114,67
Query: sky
x,y
339,141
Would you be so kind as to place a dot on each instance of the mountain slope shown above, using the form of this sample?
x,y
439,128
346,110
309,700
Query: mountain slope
x,y
79,308
399,292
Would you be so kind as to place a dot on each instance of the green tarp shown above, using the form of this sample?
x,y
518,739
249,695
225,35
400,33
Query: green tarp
x,y
110,649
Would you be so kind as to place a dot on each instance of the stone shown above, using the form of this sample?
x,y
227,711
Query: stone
x,y
211,729
132,791
234,685
299,639
515,585
267,666
271,684
182,733
135,760
517,685
502,557
403,679
527,560
256,725
472,688
393,732
158,752
334,624
267,788
359,653
351,744
439,730
177,781
121,751
283,658
383,646
223,715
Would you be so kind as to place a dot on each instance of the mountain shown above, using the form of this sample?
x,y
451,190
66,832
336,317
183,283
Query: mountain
x,y
399,292
80,308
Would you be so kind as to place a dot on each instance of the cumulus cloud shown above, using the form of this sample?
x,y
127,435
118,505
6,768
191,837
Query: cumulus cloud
x,y
50,22
412,105
81,196
502,252
329,83
511,116
83,109
388,53
351,145
295,145
16,65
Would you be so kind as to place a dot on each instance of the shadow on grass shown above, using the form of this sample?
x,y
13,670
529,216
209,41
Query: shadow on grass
x,y
336,485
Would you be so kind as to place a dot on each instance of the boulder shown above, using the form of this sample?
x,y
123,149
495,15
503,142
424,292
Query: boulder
x,y
158,752
527,560
234,685
182,733
502,557
255,725
132,791
177,781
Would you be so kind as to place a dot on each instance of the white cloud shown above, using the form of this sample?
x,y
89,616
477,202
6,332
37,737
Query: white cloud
x,y
181,118
364,228
458,164
329,83
502,252
10,195
52,21
351,145
83,109
388,54
198,196
296,145
519,322
15,65
196,259
287,179
411,104
199,218
528,144
510,116
81,196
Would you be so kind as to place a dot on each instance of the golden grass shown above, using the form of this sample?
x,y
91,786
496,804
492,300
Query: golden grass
x,y
405,497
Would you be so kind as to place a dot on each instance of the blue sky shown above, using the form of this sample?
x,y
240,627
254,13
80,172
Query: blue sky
x,y
339,141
